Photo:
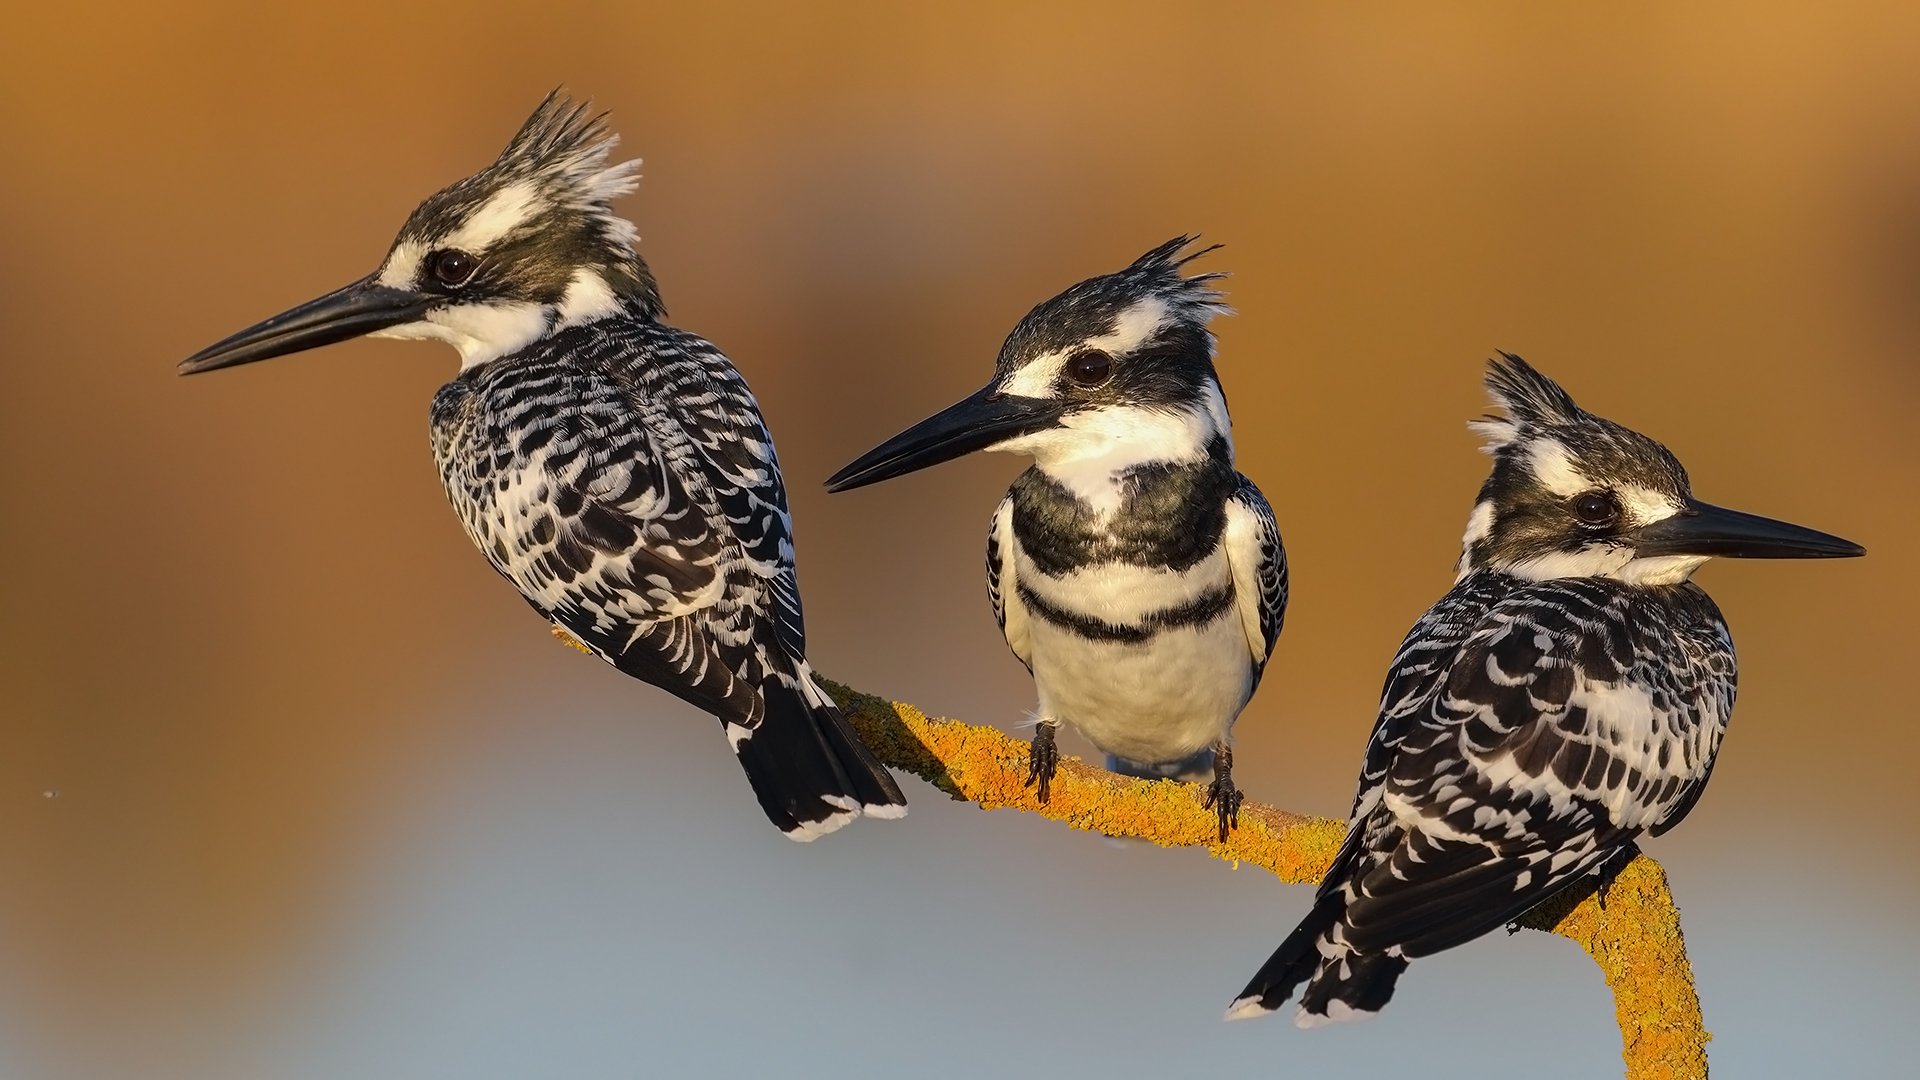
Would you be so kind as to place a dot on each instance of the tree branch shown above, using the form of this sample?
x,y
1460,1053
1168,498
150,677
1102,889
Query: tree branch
x,y
1635,939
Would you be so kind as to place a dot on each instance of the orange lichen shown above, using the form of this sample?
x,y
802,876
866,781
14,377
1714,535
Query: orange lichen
x,y
984,766
569,640
1635,939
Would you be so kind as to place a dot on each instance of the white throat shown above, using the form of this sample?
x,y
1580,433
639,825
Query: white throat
x,y
486,332
1608,561
1090,451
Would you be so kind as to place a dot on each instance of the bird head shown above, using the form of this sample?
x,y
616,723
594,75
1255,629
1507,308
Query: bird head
x,y
1576,495
1118,364
489,264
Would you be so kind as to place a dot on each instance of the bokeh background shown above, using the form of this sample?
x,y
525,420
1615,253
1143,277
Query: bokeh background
x,y
292,786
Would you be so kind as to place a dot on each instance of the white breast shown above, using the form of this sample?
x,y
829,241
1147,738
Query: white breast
x,y
1162,700
1152,701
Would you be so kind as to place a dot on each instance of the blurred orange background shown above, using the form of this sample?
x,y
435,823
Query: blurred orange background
x,y
252,675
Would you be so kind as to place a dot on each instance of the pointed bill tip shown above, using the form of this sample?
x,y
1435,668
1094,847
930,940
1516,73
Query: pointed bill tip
x,y
1706,529
350,312
976,422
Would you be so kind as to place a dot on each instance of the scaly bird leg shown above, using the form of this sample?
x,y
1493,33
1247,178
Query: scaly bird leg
x,y
1043,757
1221,794
1610,870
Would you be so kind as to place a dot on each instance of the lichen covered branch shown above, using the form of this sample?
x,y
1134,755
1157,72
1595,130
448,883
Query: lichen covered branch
x,y
1635,938
1636,941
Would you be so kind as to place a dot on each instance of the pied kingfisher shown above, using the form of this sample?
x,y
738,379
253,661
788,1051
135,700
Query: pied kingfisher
x,y
1567,695
1135,573
615,469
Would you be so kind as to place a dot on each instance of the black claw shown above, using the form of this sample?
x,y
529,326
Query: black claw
x,y
1610,871
1043,757
1221,794
1548,913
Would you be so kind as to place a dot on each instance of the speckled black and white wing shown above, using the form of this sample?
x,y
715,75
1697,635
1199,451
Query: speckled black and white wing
x,y
1003,587
620,476
585,492
712,404
1528,731
1259,563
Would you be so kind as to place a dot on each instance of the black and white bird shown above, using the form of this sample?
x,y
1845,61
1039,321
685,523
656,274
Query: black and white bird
x,y
1568,695
613,468
1133,571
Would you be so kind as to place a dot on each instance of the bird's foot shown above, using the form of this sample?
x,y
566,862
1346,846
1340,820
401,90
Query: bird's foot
x,y
1222,796
1043,758
1549,912
1610,871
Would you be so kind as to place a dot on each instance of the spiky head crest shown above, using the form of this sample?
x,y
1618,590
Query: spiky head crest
x,y
1125,363
564,146
1538,410
1550,455
537,219
1150,322
1530,399
1157,274
1134,304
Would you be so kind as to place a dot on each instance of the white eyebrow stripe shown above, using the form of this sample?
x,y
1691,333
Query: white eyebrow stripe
x,y
403,266
509,208
1553,466
1133,328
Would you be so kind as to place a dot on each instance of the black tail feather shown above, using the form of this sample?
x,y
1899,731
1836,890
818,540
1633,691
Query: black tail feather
x,y
1291,964
1352,986
809,770
873,786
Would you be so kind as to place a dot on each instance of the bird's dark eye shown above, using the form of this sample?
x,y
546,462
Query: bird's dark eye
x,y
1595,508
1090,367
451,267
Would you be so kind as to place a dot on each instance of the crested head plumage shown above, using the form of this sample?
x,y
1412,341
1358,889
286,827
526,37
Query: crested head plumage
x,y
540,214
1115,372
1568,488
1576,495
1135,338
1542,419
534,224
1537,408
523,249
1126,307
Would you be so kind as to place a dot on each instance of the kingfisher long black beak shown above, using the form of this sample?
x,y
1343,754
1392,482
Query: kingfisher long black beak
x,y
360,308
973,423
1706,529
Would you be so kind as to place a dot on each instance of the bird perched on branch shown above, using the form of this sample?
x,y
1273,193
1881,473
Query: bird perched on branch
x,y
613,468
1133,571
1568,695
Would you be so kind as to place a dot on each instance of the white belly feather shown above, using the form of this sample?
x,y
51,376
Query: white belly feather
x,y
1158,700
